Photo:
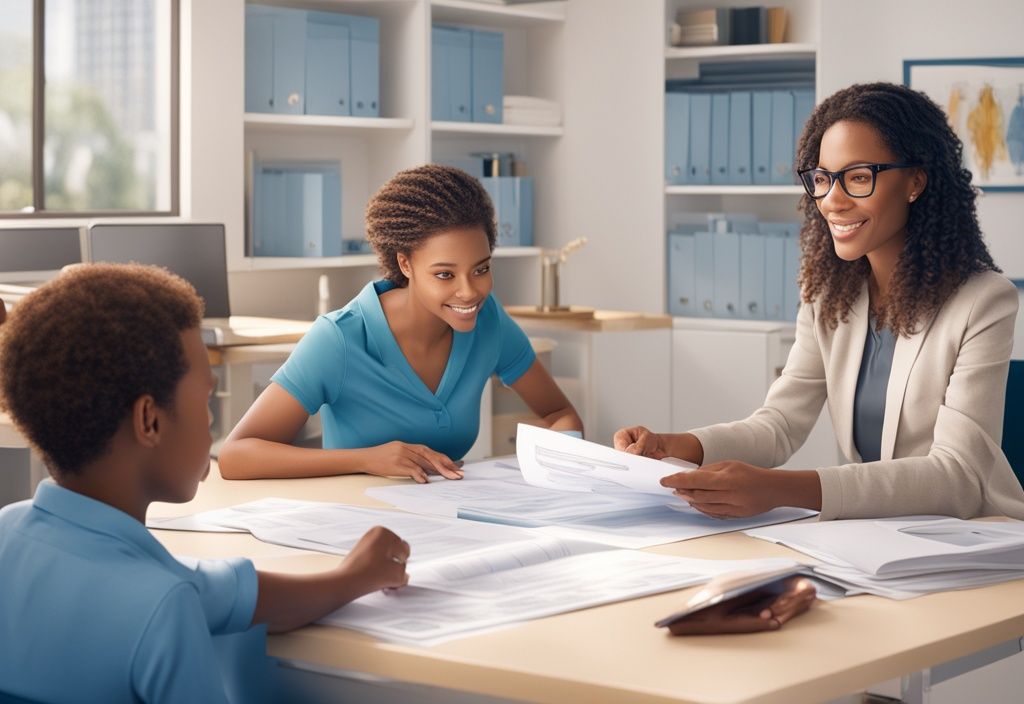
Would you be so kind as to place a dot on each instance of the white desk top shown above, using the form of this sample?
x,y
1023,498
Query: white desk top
x,y
613,653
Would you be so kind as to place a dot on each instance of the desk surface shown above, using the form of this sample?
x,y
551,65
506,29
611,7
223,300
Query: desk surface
x,y
613,653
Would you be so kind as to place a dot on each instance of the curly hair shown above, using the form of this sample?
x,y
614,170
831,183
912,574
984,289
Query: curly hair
x,y
79,351
944,244
421,202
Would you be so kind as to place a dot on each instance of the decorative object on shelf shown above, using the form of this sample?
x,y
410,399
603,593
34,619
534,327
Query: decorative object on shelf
x,y
551,261
466,74
313,63
528,110
729,26
984,102
296,209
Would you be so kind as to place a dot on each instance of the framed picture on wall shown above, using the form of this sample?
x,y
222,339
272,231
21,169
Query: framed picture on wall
x,y
984,102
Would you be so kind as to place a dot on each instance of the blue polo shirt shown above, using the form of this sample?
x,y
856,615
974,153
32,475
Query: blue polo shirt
x,y
350,368
93,608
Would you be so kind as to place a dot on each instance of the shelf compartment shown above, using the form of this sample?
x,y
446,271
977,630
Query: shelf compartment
x,y
324,123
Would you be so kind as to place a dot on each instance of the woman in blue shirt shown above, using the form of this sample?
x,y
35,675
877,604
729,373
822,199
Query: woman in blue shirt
x,y
397,374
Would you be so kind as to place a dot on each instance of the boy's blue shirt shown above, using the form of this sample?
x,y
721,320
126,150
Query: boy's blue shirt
x,y
350,368
94,608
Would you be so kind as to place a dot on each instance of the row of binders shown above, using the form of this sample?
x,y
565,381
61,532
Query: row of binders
x,y
466,74
314,63
734,137
735,268
296,209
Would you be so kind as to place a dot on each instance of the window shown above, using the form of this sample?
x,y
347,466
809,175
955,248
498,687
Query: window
x,y
101,137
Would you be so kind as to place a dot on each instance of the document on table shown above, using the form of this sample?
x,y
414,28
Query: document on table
x,y
495,491
428,616
554,460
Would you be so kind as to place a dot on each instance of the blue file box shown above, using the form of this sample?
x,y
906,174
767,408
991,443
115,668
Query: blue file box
x,y
720,138
792,288
512,197
677,137
365,65
297,209
327,64
275,52
459,71
682,284
774,273
761,145
705,274
727,275
782,137
440,85
740,134
488,61
700,138
803,106
752,276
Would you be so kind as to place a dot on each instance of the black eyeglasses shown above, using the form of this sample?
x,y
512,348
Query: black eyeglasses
x,y
857,181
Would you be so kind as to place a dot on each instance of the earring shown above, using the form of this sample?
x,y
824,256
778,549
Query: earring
x,y
912,197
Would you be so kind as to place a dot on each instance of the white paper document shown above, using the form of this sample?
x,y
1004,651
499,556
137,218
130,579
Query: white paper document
x,y
555,460
428,616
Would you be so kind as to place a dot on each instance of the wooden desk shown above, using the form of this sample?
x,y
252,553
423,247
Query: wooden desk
x,y
613,653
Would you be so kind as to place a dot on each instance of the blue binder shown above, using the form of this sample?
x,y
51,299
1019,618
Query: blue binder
x,y
512,197
761,137
677,137
365,65
792,292
720,125
700,138
740,135
682,285
488,60
803,106
782,137
524,194
259,60
774,273
727,275
704,264
297,209
460,74
440,81
327,64
290,62
752,276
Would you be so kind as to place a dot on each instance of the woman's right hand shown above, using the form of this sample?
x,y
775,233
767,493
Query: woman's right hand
x,y
399,459
376,562
638,440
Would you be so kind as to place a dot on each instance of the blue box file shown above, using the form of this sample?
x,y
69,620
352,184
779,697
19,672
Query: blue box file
x,y
774,273
761,137
682,285
705,274
259,61
752,276
488,60
720,138
803,106
792,288
727,275
327,65
782,137
740,134
677,137
460,74
365,65
297,209
440,85
700,138
512,197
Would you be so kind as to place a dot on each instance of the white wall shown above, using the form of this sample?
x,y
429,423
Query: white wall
x,y
882,33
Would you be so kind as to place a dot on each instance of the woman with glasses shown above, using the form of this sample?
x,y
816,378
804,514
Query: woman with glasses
x,y
905,331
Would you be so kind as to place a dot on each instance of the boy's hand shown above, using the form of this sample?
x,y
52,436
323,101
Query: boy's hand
x,y
376,562
399,459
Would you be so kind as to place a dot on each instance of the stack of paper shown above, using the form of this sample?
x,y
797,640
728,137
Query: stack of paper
x,y
905,557
528,110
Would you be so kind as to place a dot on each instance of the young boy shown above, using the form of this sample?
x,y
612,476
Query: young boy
x,y
104,370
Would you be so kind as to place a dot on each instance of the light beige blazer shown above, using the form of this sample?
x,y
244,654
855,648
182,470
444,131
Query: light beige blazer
x,y
943,411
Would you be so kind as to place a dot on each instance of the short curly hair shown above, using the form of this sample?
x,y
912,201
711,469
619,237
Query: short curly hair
x,y
944,244
421,202
79,351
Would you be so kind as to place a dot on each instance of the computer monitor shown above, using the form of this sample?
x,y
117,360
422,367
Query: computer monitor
x,y
194,252
38,250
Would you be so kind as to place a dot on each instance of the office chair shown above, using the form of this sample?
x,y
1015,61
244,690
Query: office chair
x,y
1013,419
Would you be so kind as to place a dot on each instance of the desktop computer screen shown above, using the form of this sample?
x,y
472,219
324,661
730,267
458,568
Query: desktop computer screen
x,y
194,252
38,249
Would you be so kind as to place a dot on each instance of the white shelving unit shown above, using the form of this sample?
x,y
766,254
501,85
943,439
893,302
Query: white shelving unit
x,y
482,128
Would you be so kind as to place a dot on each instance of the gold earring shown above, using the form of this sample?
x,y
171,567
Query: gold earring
x,y
912,197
